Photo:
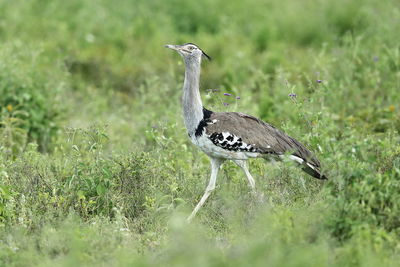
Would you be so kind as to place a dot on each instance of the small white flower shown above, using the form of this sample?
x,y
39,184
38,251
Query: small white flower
x,y
89,38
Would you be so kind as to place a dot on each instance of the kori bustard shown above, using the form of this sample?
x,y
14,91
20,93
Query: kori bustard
x,y
232,135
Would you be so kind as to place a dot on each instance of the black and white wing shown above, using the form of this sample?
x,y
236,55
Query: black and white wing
x,y
241,132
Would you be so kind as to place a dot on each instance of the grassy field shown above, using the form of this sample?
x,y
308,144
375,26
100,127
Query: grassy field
x,y
95,165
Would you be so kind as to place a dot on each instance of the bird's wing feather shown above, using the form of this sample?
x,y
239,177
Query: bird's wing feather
x,y
261,135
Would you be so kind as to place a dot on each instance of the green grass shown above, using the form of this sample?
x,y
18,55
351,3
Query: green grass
x,y
96,167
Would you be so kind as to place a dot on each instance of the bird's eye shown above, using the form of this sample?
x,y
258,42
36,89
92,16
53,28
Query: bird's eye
x,y
191,47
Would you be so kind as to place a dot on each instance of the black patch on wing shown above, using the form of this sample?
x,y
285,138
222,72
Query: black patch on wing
x,y
218,140
203,123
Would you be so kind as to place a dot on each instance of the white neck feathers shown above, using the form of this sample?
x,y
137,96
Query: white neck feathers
x,y
192,105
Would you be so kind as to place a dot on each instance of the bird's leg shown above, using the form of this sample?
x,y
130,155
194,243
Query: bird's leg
x,y
215,164
243,164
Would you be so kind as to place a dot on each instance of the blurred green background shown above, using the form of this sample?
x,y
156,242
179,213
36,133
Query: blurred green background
x,y
95,164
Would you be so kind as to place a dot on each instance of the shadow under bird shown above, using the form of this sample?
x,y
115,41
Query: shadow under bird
x,y
232,135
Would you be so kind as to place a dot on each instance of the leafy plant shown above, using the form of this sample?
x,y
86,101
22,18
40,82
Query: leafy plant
x,y
28,99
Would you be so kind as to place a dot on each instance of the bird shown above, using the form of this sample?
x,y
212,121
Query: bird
x,y
233,136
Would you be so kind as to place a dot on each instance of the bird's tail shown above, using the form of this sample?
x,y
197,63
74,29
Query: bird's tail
x,y
313,171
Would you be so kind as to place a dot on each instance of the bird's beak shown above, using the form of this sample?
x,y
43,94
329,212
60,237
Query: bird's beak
x,y
173,47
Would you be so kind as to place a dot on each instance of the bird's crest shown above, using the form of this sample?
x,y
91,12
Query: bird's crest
x,y
204,54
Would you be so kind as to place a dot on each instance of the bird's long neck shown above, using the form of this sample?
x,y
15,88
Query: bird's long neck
x,y
192,105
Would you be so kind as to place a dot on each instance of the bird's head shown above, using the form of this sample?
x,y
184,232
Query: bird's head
x,y
189,51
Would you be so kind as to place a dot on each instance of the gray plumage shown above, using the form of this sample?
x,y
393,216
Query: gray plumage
x,y
263,137
231,135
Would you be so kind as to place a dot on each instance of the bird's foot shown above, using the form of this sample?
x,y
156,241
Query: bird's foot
x,y
259,197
